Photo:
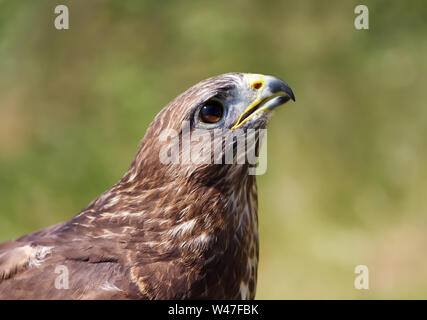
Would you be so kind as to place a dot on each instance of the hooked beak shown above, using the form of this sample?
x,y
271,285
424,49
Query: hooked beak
x,y
271,93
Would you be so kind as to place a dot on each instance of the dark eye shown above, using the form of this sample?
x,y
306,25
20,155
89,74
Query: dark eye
x,y
211,112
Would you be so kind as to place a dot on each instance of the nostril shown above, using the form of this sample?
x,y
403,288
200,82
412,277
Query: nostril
x,y
257,85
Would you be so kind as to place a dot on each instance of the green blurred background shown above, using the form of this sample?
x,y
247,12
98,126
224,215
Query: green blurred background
x,y
346,182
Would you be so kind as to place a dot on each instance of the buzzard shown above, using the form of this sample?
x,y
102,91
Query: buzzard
x,y
166,230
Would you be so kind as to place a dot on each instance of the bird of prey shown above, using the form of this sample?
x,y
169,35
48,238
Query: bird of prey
x,y
177,230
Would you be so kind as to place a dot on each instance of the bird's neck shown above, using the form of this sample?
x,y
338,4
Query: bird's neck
x,y
209,226
192,214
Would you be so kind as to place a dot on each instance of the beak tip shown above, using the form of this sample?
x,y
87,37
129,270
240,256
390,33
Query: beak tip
x,y
290,93
277,85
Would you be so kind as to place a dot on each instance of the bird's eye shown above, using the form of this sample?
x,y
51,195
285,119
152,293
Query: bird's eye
x,y
211,112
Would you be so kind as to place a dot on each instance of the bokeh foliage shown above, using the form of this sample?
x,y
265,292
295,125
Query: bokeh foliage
x,y
346,182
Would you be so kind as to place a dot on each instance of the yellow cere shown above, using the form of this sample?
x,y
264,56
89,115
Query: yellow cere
x,y
256,82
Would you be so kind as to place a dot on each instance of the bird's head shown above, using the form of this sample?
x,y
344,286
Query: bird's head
x,y
190,134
